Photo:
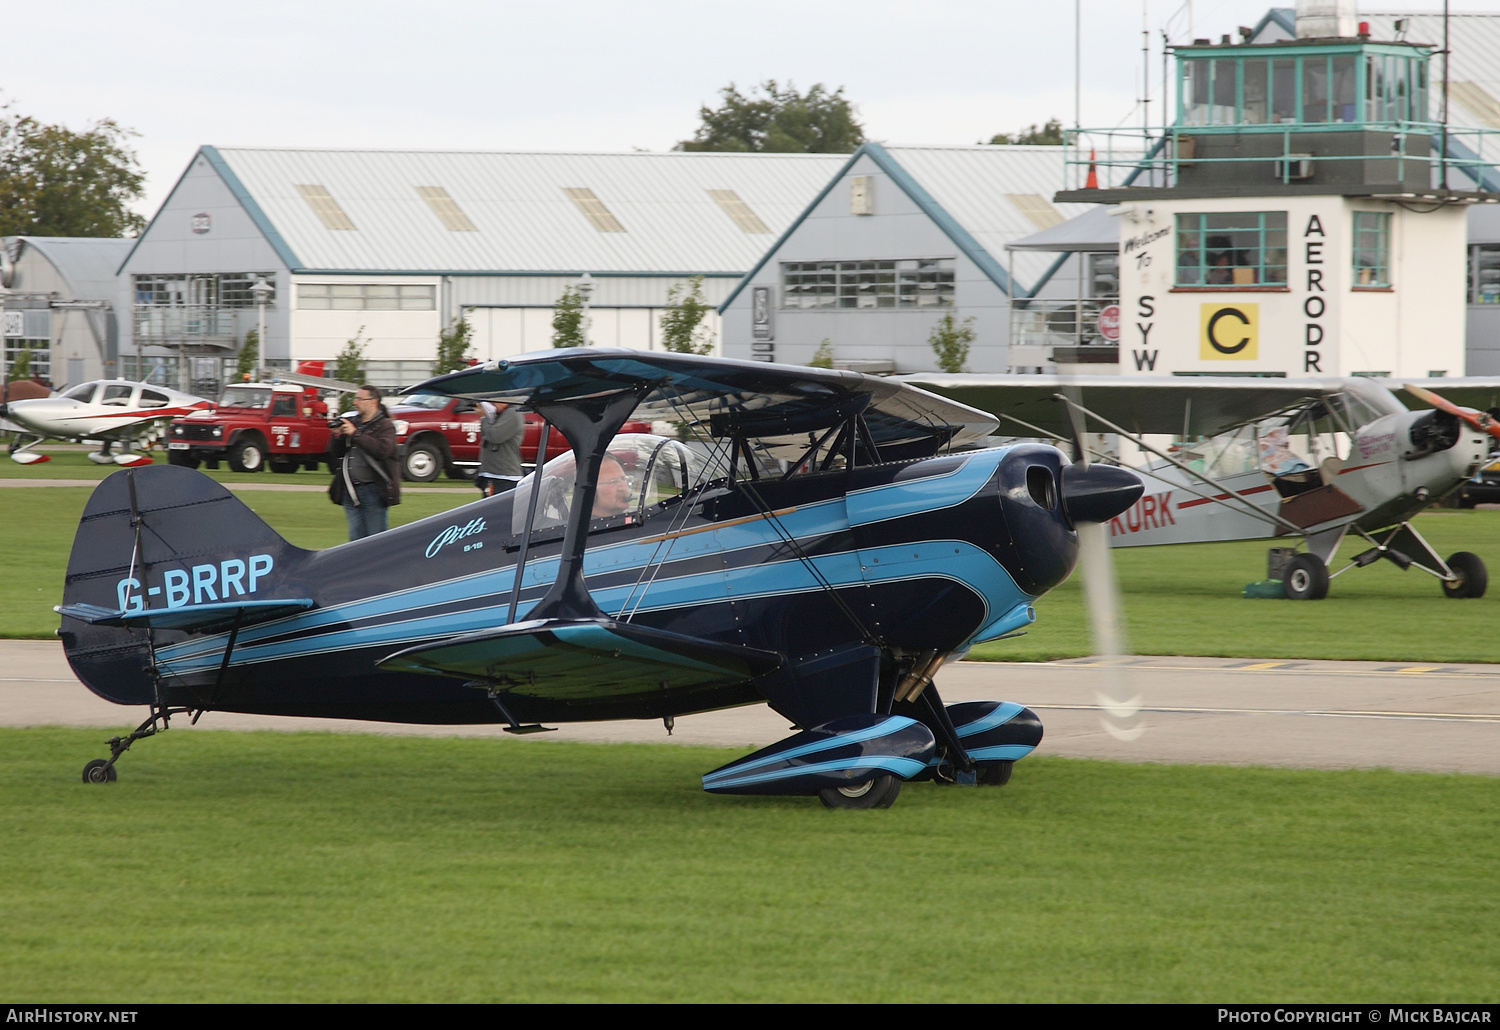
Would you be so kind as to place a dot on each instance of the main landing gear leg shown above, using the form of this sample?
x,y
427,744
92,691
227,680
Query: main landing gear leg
x,y
102,770
1463,575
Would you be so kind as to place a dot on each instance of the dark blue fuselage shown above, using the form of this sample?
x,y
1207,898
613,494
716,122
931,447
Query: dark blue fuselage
x,y
931,555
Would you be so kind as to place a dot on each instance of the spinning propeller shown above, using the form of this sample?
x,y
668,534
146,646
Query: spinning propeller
x,y
1480,420
1121,717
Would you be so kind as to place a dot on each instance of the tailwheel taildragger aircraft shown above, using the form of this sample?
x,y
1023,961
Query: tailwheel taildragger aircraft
x,y
824,550
1305,460
115,412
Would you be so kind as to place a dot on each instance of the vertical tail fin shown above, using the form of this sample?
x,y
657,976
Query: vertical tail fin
x,y
162,538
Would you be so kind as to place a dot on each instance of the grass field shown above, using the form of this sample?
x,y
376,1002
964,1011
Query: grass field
x,y
1178,600
307,867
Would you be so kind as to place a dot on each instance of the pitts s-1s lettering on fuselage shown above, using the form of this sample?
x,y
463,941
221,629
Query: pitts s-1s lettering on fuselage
x,y
824,552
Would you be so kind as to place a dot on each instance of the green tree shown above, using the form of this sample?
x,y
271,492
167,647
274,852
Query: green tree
x,y
249,356
350,367
20,367
682,328
1049,135
453,347
950,340
567,319
823,356
774,120
57,182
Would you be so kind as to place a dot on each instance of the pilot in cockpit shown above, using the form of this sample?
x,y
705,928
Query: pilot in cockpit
x,y
613,495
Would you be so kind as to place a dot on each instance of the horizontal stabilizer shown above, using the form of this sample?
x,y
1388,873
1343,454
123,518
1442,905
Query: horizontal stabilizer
x,y
843,753
192,617
564,658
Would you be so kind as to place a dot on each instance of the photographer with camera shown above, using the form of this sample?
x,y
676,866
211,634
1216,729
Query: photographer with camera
x,y
367,479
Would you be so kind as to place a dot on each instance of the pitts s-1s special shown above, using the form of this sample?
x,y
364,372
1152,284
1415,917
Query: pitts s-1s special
x,y
820,541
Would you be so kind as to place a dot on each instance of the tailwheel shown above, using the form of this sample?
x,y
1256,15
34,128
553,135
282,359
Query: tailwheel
x,y
881,792
1470,576
100,770
996,774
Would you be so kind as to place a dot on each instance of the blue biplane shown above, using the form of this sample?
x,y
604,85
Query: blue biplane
x,y
817,540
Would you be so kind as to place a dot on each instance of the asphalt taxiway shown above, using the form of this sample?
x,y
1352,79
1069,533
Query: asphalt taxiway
x,y
1220,711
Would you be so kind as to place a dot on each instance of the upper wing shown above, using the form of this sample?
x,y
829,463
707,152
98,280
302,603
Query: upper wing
x,y
1187,405
1475,392
726,398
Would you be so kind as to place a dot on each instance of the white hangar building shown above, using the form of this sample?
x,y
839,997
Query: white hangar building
x,y
397,245
63,304
901,236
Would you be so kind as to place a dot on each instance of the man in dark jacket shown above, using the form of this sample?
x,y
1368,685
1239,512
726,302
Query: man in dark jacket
x,y
367,469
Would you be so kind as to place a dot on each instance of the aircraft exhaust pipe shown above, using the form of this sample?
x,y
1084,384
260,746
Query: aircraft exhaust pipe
x,y
1097,493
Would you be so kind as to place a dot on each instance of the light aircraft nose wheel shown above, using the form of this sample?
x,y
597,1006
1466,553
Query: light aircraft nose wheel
x,y
1472,578
99,771
880,792
1306,579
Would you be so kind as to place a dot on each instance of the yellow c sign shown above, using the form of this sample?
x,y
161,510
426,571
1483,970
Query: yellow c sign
x,y
1229,332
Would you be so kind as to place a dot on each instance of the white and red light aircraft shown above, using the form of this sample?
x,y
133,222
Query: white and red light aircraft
x,y
1305,462
115,412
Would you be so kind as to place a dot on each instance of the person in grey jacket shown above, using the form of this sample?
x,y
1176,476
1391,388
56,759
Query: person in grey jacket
x,y
501,428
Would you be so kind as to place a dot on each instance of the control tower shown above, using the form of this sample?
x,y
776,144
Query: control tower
x,y
1302,215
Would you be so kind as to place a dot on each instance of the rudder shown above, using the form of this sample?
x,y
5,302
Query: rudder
x,y
197,543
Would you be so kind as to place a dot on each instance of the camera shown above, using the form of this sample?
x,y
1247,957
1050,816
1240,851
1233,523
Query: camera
x,y
335,423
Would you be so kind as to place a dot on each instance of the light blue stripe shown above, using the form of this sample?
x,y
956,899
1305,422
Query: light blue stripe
x,y
880,729
1007,711
905,768
1001,752
960,562
933,493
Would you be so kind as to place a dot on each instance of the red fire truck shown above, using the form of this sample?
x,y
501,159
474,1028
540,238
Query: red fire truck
x,y
439,434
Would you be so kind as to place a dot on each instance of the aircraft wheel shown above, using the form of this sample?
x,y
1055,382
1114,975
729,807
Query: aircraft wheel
x,y
1306,579
997,775
99,771
880,792
1472,576
247,456
422,464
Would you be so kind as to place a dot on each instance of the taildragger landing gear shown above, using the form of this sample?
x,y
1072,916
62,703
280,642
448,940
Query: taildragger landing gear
x,y
1305,577
102,770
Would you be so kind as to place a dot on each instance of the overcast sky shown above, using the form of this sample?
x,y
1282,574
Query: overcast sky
x,y
577,75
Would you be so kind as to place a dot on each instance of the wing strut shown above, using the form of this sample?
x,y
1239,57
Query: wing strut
x,y
589,424
1259,513
536,493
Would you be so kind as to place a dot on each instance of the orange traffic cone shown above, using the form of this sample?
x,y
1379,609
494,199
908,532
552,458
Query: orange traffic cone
x,y
1092,182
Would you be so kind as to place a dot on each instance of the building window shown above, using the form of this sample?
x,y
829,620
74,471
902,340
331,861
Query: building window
x,y
365,297
911,283
221,290
1311,89
1484,274
1372,249
38,354
1219,251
